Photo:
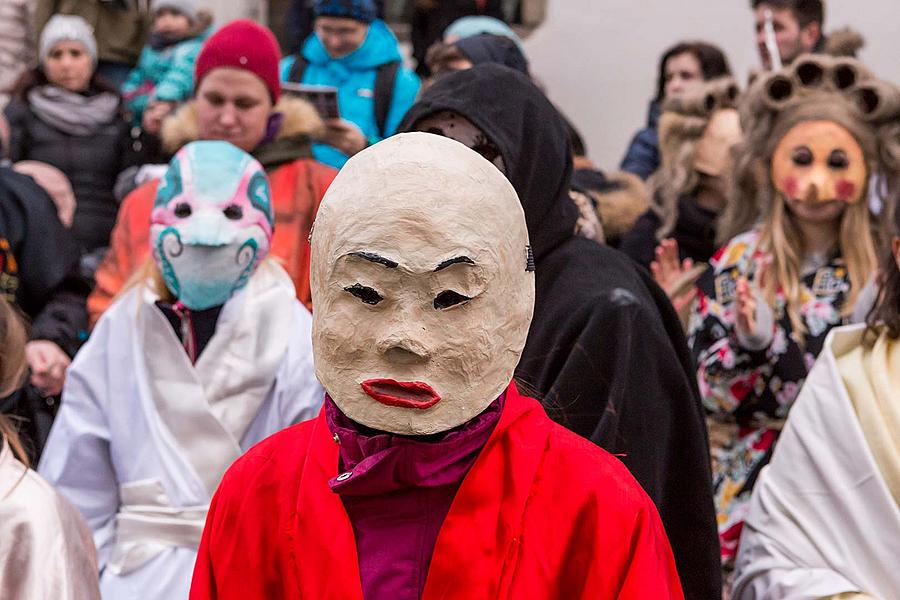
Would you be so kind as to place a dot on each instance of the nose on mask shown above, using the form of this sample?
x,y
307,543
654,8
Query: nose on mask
x,y
403,350
401,355
817,187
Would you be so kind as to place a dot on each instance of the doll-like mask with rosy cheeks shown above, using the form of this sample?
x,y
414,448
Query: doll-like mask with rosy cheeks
x,y
422,283
819,161
211,223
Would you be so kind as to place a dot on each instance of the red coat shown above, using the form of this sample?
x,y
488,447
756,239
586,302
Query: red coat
x,y
542,514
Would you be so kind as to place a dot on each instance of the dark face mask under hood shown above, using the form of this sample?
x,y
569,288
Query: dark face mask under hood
x,y
531,135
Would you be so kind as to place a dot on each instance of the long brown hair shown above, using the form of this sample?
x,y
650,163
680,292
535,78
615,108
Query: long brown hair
x,y
13,368
713,63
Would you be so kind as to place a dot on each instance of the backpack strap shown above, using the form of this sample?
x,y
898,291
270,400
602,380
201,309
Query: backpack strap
x,y
297,69
384,92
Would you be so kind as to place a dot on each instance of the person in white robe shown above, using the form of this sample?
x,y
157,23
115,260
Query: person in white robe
x,y
824,521
208,354
46,550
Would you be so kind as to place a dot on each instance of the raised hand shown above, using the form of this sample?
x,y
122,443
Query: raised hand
x,y
746,301
746,308
345,136
678,278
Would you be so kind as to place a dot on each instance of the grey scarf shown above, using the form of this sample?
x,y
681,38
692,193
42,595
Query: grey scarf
x,y
73,113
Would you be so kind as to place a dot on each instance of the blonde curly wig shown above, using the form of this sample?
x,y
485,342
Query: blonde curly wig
x,y
814,87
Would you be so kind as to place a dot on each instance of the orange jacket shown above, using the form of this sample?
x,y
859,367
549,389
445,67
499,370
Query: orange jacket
x,y
542,514
297,190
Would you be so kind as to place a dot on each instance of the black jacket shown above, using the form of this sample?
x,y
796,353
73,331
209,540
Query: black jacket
x,y
39,273
695,232
40,261
91,163
605,351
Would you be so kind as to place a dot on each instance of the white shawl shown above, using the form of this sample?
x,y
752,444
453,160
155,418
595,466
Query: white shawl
x,y
822,520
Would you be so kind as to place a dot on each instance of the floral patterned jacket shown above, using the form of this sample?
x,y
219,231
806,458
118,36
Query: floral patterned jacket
x,y
748,393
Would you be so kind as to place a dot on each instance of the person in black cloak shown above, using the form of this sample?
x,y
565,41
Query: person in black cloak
x,y
605,350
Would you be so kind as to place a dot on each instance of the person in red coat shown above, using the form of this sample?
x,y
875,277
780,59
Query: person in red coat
x,y
427,474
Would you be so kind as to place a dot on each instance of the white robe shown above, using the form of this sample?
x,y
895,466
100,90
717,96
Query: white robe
x,y
143,437
46,550
822,520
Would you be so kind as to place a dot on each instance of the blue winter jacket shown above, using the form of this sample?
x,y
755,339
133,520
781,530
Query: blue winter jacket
x,y
354,77
166,75
642,157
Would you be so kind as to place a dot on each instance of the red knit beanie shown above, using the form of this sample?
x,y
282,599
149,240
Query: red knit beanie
x,y
246,45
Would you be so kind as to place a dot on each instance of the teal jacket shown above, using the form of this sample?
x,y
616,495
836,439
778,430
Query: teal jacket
x,y
166,75
354,77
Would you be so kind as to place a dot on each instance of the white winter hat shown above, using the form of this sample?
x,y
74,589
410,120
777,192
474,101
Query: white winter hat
x,y
186,7
67,28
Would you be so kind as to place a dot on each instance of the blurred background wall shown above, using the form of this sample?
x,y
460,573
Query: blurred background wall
x,y
598,58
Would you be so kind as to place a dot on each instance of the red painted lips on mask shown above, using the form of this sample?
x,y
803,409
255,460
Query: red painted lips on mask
x,y
403,394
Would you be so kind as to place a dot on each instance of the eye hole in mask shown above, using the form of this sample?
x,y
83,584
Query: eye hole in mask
x,y
802,157
183,210
233,212
838,160
486,148
364,293
449,299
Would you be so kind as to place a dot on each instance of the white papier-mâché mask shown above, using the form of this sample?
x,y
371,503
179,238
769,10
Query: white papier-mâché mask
x,y
423,285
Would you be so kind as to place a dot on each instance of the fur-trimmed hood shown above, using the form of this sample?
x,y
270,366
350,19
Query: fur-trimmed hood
x,y
300,119
619,197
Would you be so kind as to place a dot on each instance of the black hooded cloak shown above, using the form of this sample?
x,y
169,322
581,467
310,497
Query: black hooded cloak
x,y
605,352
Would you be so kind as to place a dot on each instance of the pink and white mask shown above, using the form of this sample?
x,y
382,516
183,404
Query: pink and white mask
x,y
422,284
211,223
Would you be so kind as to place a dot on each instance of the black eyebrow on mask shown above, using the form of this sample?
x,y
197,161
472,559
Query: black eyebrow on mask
x,y
375,258
454,261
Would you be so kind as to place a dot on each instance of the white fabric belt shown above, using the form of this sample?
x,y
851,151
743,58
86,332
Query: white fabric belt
x,y
145,530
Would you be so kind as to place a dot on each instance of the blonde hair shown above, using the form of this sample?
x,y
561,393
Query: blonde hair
x,y
13,368
782,240
149,276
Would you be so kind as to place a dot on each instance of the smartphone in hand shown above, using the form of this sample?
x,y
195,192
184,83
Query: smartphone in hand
x,y
322,97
